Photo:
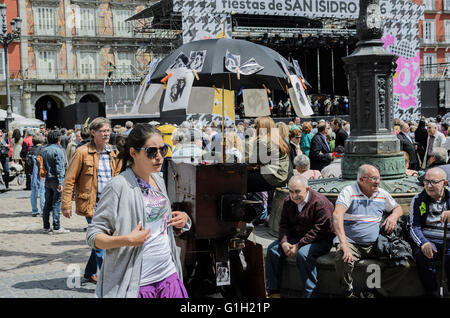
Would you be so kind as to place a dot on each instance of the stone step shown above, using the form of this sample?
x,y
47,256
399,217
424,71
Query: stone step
x,y
328,286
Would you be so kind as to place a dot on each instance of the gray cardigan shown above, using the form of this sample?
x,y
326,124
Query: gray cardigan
x,y
119,211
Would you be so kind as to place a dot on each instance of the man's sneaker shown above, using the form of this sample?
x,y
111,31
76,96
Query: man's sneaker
x,y
47,231
34,214
61,230
368,294
350,294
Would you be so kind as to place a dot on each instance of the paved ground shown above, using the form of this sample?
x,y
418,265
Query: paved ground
x,y
33,264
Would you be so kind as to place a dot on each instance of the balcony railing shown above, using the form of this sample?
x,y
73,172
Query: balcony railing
x,y
435,71
120,72
441,40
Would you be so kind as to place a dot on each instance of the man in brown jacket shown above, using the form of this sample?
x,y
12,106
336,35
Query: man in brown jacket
x,y
306,232
91,167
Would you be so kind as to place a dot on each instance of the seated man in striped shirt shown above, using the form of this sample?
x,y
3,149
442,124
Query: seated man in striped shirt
x,y
357,217
428,212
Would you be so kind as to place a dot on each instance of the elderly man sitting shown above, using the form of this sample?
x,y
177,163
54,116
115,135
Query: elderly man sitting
x,y
357,217
306,232
429,211
302,166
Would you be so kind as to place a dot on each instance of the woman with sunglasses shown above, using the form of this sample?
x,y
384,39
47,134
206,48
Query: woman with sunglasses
x,y
135,225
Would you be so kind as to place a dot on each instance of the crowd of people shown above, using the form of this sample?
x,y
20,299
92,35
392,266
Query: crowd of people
x,y
114,176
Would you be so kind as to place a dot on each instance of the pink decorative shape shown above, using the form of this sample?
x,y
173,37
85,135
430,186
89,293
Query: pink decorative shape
x,y
388,40
408,70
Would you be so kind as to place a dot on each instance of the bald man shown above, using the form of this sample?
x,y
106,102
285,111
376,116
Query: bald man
x,y
428,212
357,217
306,232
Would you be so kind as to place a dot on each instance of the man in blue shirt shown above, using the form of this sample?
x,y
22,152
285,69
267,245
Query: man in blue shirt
x,y
55,164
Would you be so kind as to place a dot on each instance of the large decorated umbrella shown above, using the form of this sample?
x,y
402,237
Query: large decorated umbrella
x,y
201,77
252,65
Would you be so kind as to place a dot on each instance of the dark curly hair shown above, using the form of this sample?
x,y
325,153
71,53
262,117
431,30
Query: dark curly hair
x,y
136,139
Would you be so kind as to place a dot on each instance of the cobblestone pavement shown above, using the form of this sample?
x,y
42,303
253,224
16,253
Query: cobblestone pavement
x,y
38,265
34,264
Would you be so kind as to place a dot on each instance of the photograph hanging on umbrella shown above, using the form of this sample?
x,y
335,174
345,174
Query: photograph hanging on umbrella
x,y
192,74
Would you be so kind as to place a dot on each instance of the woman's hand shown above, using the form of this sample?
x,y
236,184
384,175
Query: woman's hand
x,y
178,219
138,236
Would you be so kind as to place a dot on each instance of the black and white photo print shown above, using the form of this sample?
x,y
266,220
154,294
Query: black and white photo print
x,y
232,62
298,97
196,60
223,273
256,102
178,89
250,67
181,61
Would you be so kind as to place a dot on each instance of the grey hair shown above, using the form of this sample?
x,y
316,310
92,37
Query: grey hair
x,y
440,154
433,124
185,124
190,135
299,179
129,124
362,171
98,123
178,135
302,161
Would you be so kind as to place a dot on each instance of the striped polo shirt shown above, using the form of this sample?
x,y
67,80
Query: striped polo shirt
x,y
363,216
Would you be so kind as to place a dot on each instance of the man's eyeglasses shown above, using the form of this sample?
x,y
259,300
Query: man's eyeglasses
x,y
432,182
373,179
152,152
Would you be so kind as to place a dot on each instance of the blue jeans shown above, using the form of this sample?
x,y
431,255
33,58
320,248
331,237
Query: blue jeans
x,y
95,260
427,267
52,203
306,263
35,191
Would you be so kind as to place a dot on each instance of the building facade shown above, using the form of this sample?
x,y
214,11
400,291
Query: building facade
x,y
14,62
70,50
435,57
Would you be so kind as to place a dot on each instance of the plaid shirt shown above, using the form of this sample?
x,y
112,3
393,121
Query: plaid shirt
x,y
104,170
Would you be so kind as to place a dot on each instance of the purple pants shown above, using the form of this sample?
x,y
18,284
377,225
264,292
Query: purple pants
x,y
171,287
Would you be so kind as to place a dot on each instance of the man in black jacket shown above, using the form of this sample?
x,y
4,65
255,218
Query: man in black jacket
x,y
341,134
320,152
407,144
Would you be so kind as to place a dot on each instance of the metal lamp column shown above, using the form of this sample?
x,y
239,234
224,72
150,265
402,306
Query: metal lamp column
x,y
5,39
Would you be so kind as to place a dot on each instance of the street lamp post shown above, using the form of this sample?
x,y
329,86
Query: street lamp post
x,y
5,39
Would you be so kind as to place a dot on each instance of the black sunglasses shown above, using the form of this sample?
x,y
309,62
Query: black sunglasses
x,y
152,152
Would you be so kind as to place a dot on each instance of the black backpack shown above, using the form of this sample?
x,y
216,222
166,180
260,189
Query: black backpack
x,y
4,151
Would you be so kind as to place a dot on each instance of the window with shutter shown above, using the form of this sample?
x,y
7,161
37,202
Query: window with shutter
x,y
122,28
124,63
88,21
429,64
429,31
87,65
45,21
46,64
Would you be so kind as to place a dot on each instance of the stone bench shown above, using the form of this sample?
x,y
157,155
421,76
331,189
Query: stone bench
x,y
328,286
